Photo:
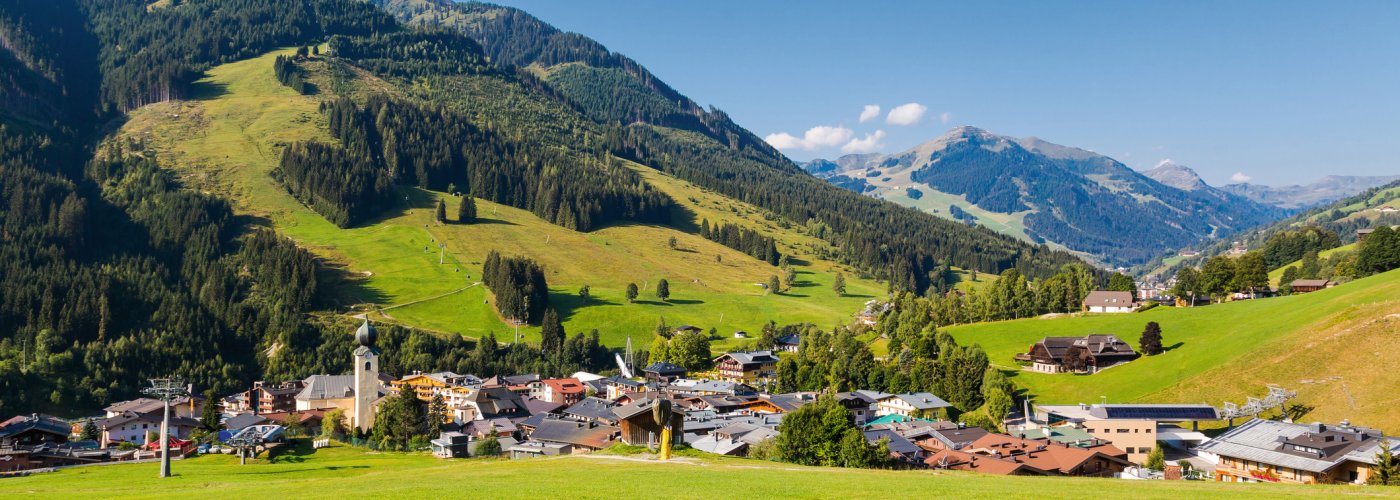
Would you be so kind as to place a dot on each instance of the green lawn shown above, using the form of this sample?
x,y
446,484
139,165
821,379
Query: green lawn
x,y
1336,347
339,472
230,137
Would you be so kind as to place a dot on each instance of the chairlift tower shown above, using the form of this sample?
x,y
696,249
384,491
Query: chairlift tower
x,y
167,390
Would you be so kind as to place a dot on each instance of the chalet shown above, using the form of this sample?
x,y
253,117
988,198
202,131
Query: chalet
x,y
271,398
901,448
909,404
1109,302
1305,286
243,420
788,343
951,437
1279,452
1009,455
133,427
1087,354
592,410
577,437
746,366
33,429
183,406
639,427
1363,233
563,391
309,420
688,329
662,372
497,402
734,439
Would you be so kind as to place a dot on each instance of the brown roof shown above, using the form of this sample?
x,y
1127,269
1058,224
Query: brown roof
x,y
1102,298
1041,455
1316,283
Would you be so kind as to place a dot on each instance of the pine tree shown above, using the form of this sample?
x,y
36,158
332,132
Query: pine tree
x,y
437,415
1151,341
441,211
90,432
1387,469
671,242
209,420
773,284
466,210
839,284
551,333
631,292
663,290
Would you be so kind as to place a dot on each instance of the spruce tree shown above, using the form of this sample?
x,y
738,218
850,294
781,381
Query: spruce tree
x,y
1387,469
1156,460
209,420
631,292
773,284
1151,341
466,210
441,211
551,333
839,285
437,415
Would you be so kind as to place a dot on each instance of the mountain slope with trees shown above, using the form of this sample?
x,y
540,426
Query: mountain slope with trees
x,y
1045,192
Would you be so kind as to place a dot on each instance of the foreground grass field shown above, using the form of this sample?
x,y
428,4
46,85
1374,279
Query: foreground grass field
x,y
1339,348
339,472
229,138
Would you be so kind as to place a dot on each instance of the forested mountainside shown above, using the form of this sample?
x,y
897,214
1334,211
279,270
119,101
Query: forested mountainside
x,y
1075,198
1317,229
115,271
673,134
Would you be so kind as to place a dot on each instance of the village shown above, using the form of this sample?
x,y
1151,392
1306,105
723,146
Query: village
x,y
724,412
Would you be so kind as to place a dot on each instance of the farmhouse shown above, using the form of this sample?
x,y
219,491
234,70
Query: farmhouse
x,y
788,343
909,404
1280,452
746,366
1087,354
1305,286
30,430
663,372
1109,302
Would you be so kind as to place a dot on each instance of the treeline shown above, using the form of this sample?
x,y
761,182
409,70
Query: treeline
x,y
344,188
1012,296
289,74
153,56
519,286
734,236
1286,247
412,54
433,147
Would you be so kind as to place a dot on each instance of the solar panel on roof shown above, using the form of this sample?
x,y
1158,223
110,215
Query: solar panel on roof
x,y
1162,412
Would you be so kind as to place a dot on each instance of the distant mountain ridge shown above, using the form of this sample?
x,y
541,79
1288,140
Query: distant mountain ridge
x,y
1051,193
1322,191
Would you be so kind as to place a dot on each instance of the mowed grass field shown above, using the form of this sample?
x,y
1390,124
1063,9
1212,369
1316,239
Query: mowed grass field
x,y
1338,348
339,472
229,138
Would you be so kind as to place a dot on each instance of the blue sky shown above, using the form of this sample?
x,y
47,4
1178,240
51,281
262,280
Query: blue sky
x,y
1276,92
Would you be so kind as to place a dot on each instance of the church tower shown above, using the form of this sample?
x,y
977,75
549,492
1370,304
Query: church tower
x,y
366,376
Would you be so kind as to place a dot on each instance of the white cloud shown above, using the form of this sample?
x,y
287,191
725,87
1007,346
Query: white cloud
x,y
906,114
821,136
869,144
870,112
1240,177
1165,161
945,117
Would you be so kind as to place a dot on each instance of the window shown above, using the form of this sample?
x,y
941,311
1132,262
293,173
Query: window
x,y
367,366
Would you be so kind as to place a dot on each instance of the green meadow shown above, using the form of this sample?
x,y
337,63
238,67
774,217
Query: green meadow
x,y
1337,347
228,139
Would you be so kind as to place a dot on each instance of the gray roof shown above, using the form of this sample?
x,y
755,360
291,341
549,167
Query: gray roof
x,y
327,387
575,433
752,357
898,444
593,409
664,368
1103,298
789,339
238,422
1260,440
923,400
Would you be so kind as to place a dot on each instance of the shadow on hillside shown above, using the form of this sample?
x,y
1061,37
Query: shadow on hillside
x,y
339,287
566,304
1172,347
685,302
485,221
206,90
